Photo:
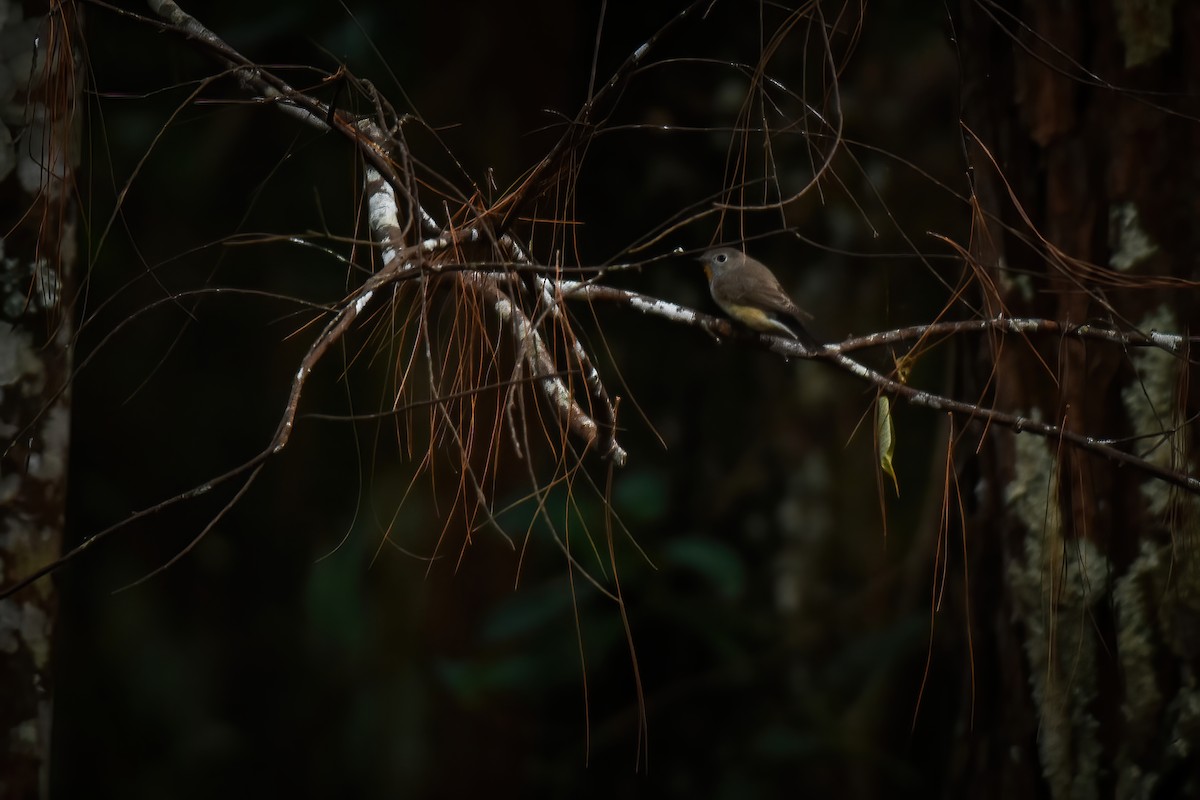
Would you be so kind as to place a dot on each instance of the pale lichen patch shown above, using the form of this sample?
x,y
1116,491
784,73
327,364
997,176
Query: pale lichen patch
x,y
25,624
1136,624
1145,28
1152,405
55,439
1055,589
1017,282
1185,713
1129,243
18,361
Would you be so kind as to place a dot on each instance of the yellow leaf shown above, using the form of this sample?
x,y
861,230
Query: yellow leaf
x,y
885,438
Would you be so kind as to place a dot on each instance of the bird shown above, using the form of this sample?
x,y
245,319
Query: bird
x,y
748,291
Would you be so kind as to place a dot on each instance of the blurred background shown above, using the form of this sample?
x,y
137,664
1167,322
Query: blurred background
x,y
778,595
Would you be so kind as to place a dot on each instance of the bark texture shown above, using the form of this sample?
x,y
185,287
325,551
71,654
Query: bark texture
x,y
1085,577
38,152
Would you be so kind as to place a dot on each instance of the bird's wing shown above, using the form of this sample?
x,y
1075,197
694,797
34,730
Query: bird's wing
x,y
757,286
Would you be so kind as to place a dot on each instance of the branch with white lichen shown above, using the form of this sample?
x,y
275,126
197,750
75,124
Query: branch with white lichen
x,y
553,292
1174,344
472,250
382,183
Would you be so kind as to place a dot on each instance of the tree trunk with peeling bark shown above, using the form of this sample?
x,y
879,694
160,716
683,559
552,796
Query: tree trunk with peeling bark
x,y
38,151
1084,577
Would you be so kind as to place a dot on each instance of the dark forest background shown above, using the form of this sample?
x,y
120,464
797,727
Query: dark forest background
x,y
781,613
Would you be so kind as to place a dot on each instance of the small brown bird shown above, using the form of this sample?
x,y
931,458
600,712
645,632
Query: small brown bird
x,y
748,291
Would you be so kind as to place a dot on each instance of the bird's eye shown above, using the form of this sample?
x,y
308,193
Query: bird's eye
x,y
720,258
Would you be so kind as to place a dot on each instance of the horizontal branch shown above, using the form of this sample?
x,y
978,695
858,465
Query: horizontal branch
x,y
836,354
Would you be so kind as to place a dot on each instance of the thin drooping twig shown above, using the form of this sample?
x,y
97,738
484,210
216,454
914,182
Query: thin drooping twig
x,y
382,183
384,225
382,151
391,188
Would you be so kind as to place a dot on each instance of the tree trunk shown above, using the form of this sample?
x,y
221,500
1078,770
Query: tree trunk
x,y
1085,583
38,152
